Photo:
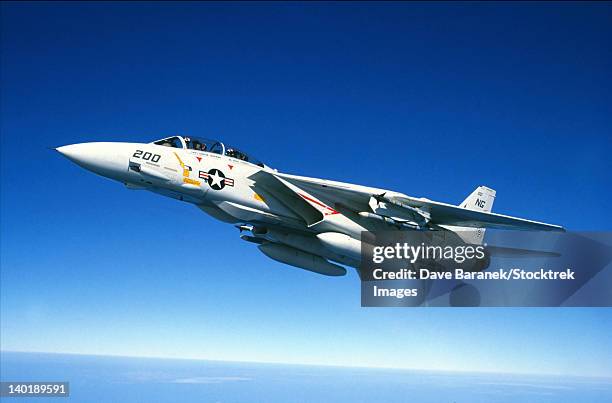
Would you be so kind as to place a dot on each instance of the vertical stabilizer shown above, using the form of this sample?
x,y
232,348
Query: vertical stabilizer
x,y
480,199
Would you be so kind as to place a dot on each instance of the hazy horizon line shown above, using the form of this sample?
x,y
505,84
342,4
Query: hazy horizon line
x,y
153,357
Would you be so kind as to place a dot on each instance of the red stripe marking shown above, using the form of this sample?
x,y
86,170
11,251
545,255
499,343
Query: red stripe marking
x,y
331,210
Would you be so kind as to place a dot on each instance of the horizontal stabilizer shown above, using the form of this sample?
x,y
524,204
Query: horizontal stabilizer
x,y
447,214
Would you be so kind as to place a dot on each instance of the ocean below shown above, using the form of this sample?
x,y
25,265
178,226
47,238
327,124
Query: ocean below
x,y
119,379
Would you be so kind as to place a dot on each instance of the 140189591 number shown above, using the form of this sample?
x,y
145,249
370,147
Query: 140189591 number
x,y
34,389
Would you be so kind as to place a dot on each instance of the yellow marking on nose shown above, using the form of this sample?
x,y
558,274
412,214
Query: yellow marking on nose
x,y
258,197
179,159
185,170
192,181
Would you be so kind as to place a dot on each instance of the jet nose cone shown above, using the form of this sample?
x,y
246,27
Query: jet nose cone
x,y
106,159
85,154
74,152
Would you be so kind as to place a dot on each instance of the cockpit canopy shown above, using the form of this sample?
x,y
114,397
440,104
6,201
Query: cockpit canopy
x,y
207,145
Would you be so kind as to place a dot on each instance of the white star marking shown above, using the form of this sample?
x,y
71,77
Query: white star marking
x,y
216,179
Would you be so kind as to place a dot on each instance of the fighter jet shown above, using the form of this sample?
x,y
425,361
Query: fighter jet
x,y
310,223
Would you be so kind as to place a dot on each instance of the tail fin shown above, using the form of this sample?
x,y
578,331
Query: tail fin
x,y
480,199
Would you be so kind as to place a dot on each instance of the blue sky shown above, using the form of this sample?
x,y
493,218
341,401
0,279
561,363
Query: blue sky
x,y
428,99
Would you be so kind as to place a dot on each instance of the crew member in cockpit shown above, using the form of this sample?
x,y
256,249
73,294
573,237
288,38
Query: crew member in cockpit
x,y
231,152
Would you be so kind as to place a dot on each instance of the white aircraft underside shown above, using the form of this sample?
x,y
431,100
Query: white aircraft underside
x,y
305,222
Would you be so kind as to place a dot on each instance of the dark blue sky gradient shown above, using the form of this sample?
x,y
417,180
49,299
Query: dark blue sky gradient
x,y
428,99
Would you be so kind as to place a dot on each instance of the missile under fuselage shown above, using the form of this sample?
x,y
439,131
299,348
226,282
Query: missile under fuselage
x,y
304,260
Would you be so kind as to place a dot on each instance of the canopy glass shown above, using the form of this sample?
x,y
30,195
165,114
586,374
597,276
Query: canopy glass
x,y
207,145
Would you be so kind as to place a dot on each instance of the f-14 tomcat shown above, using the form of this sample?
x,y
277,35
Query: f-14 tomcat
x,y
310,223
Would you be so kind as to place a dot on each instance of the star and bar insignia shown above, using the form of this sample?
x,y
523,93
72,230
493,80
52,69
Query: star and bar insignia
x,y
216,179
